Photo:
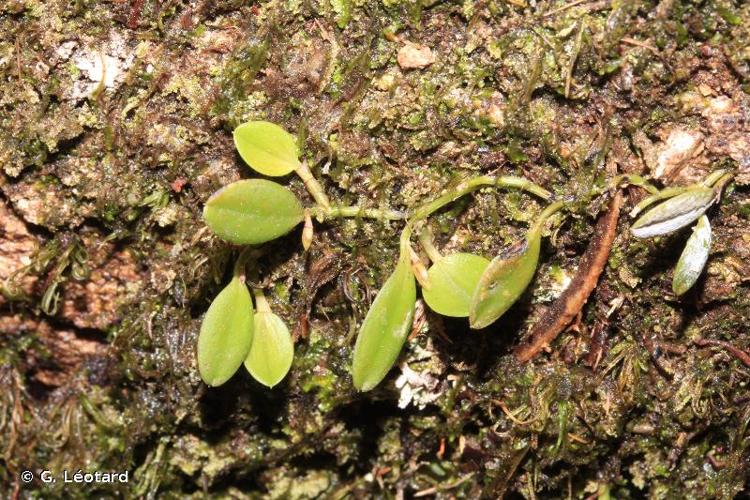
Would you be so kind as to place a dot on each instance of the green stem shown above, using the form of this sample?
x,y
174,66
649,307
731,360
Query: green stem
x,y
425,239
551,209
634,180
473,184
312,185
405,246
261,304
239,266
321,212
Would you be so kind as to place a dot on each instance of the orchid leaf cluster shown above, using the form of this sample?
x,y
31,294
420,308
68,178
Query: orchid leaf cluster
x,y
255,211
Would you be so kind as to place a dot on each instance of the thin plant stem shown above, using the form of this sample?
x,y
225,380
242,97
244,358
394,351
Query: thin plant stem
x,y
473,184
634,180
312,185
321,212
261,304
239,266
405,246
425,239
717,178
550,210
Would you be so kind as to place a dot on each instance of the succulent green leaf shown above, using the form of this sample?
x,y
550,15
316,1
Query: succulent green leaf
x,y
385,327
453,279
504,280
272,351
675,213
267,148
693,258
226,334
252,211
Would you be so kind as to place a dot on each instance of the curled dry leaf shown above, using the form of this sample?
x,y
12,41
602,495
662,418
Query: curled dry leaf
x,y
693,258
675,213
573,298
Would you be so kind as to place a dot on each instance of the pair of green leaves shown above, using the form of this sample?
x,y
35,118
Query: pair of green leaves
x,y
232,333
464,284
254,211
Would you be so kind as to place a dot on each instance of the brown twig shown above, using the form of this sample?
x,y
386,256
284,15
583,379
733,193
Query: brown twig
x,y
743,356
571,301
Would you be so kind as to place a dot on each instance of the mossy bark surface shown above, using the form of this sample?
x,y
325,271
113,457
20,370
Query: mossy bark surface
x,y
117,121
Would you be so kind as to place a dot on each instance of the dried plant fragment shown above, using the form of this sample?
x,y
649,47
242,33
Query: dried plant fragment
x,y
675,213
681,146
572,300
693,258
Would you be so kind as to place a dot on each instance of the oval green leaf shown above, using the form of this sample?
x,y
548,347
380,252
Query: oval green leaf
x,y
252,211
693,258
267,148
272,351
385,327
453,280
504,280
226,334
674,214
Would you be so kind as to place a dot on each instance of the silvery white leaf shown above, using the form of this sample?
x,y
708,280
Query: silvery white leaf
x,y
674,214
693,258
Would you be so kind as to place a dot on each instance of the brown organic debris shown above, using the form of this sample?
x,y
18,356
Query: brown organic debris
x,y
738,353
571,301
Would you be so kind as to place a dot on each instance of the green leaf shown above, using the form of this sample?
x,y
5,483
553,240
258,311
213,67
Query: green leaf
x,y
504,280
693,258
385,327
272,351
267,148
252,211
453,279
675,213
226,334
